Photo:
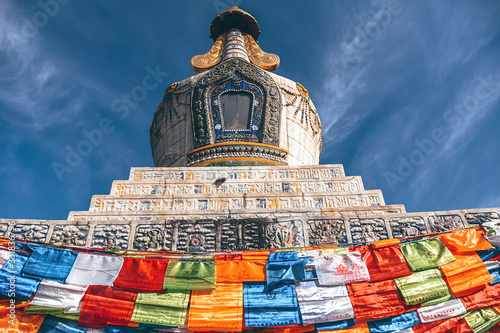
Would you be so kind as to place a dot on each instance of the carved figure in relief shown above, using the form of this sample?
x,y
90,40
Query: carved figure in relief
x,y
445,222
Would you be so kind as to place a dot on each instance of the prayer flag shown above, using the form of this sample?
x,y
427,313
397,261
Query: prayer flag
x,y
58,325
425,287
466,240
332,326
277,307
488,296
103,304
466,273
142,274
425,254
341,268
373,300
13,285
236,269
285,267
49,263
395,323
323,303
481,320
440,326
58,295
190,275
168,309
21,322
445,310
95,269
217,310
384,262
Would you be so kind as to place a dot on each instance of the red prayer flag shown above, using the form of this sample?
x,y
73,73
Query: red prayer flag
x,y
488,296
103,305
440,326
373,300
142,275
384,262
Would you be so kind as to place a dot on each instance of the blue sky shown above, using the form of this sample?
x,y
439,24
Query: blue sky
x,y
408,92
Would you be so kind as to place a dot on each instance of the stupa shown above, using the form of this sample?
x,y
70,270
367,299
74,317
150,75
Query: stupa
x,y
236,151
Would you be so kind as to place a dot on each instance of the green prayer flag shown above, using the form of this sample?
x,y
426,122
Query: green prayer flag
x,y
426,254
426,288
481,320
167,309
56,312
190,275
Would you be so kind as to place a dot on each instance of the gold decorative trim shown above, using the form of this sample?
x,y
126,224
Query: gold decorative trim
x,y
204,62
236,144
239,159
266,61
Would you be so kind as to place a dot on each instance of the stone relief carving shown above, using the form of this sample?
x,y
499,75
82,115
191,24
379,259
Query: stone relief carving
x,y
70,235
283,234
407,227
111,236
368,230
480,218
153,237
197,236
31,232
242,235
327,231
439,223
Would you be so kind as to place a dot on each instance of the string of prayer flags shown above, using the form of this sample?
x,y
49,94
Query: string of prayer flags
x,y
425,287
444,310
232,268
426,253
58,295
488,296
190,275
217,310
168,309
103,305
373,300
95,269
466,274
341,268
277,307
21,323
285,267
323,303
481,320
49,263
142,275
15,286
395,323
384,262
466,240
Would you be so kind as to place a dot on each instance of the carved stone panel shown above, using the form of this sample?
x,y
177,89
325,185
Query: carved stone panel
x,y
283,234
31,232
242,235
153,237
405,227
327,231
3,229
439,223
480,218
70,235
111,236
368,230
197,236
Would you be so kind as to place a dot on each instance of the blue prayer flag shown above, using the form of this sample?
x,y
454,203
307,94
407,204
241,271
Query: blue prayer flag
x,y
395,323
50,264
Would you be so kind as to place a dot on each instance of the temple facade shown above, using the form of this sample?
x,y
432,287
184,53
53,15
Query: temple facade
x,y
236,151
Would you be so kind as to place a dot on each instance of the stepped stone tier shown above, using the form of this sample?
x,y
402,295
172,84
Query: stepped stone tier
x,y
236,151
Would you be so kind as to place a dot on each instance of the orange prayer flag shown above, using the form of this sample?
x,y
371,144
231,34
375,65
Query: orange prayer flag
x,y
20,322
294,329
386,242
466,274
218,310
466,240
238,270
